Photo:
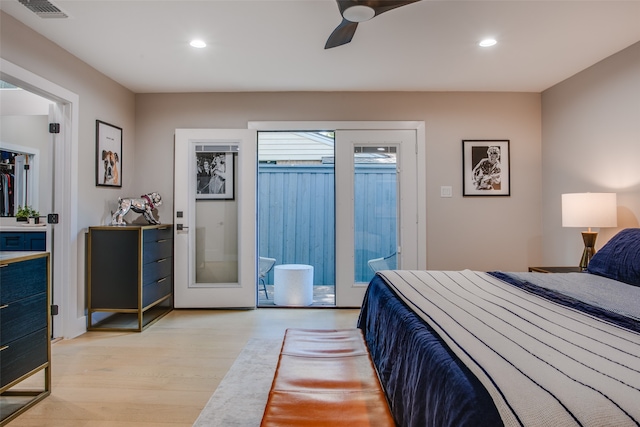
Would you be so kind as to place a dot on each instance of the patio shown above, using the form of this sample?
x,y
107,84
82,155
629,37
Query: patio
x,y
323,296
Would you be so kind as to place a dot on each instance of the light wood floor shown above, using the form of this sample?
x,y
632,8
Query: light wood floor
x,y
163,376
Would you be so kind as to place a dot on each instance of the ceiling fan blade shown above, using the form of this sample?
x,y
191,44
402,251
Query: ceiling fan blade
x,y
381,6
342,34
345,31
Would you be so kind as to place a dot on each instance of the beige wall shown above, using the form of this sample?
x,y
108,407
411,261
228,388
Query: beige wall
x,y
591,143
474,232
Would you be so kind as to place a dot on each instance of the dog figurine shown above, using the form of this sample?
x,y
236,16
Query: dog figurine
x,y
143,205
111,176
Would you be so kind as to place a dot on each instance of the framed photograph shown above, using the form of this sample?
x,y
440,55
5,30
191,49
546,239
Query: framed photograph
x,y
214,176
108,155
485,167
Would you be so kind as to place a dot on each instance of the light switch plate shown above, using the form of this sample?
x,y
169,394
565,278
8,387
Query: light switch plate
x,y
446,191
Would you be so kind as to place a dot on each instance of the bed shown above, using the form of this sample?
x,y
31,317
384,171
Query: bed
x,y
468,348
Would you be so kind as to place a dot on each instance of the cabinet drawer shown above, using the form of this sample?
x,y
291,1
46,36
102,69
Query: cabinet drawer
x,y
154,234
35,241
153,251
23,317
11,241
156,270
23,355
23,241
22,279
152,292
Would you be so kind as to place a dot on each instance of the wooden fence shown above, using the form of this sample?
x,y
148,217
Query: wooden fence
x,y
296,216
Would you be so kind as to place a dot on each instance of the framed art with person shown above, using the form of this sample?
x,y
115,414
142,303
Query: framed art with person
x,y
214,176
486,168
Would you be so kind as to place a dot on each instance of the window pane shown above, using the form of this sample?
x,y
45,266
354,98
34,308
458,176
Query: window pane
x,y
375,210
216,237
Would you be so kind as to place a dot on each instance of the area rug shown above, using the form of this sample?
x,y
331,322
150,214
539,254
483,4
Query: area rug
x,y
242,395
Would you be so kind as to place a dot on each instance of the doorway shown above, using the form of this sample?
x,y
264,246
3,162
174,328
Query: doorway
x,y
296,216
341,202
70,321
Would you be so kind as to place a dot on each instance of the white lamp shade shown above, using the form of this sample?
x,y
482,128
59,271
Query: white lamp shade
x,y
589,210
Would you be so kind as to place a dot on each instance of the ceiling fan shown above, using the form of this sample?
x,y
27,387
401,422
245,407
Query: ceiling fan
x,y
355,11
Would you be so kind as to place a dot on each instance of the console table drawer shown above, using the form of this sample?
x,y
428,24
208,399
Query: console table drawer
x,y
153,251
156,270
152,292
23,355
161,233
23,317
22,279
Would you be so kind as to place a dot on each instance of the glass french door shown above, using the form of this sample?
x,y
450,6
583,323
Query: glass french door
x,y
332,200
376,203
216,253
214,218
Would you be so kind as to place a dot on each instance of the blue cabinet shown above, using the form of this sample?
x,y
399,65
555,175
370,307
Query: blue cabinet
x,y
23,241
130,276
25,345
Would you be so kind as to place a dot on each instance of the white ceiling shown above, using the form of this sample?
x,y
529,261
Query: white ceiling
x,y
278,45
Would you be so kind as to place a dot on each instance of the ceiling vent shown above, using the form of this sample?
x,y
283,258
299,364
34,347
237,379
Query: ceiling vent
x,y
44,8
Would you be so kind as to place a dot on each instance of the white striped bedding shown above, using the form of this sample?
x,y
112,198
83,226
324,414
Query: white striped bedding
x,y
542,363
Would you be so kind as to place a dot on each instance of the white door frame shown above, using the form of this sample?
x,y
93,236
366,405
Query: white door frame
x,y
71,320
420,151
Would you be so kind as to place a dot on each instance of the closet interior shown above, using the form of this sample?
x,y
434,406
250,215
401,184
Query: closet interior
x,y
14,178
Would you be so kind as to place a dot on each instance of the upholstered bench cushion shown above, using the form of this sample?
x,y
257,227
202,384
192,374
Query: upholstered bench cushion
x,y
326,377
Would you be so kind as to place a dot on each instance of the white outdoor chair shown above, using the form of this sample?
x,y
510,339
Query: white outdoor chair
x,y
264,267
387,263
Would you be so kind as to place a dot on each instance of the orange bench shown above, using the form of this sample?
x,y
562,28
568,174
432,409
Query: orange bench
x,y
325,378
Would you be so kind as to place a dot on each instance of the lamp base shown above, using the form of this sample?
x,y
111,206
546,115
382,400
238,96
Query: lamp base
x,y
589,239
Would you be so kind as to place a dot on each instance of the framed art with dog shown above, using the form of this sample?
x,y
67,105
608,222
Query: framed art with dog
x,y
108,155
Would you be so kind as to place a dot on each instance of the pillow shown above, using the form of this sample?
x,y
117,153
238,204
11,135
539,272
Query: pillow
x,y
619,258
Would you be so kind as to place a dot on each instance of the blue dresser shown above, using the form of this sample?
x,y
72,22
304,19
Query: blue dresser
x,y
25,345
130,276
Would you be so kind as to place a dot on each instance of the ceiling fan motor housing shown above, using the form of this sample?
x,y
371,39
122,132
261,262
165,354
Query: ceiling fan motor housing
x,y
358,13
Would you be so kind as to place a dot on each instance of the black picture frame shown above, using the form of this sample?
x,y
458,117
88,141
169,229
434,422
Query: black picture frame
x,y
108,155
214,175
486,167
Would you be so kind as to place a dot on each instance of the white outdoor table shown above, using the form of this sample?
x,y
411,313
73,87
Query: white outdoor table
x,y
293,284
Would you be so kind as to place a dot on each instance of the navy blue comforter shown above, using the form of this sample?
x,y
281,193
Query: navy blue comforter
x,y
425,384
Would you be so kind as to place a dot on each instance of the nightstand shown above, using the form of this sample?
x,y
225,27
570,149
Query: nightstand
x,y
555,269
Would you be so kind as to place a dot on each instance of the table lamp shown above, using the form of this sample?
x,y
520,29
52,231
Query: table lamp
x,y
589,210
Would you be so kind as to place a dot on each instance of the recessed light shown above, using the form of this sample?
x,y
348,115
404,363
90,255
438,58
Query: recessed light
x,y
487,42
198,43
